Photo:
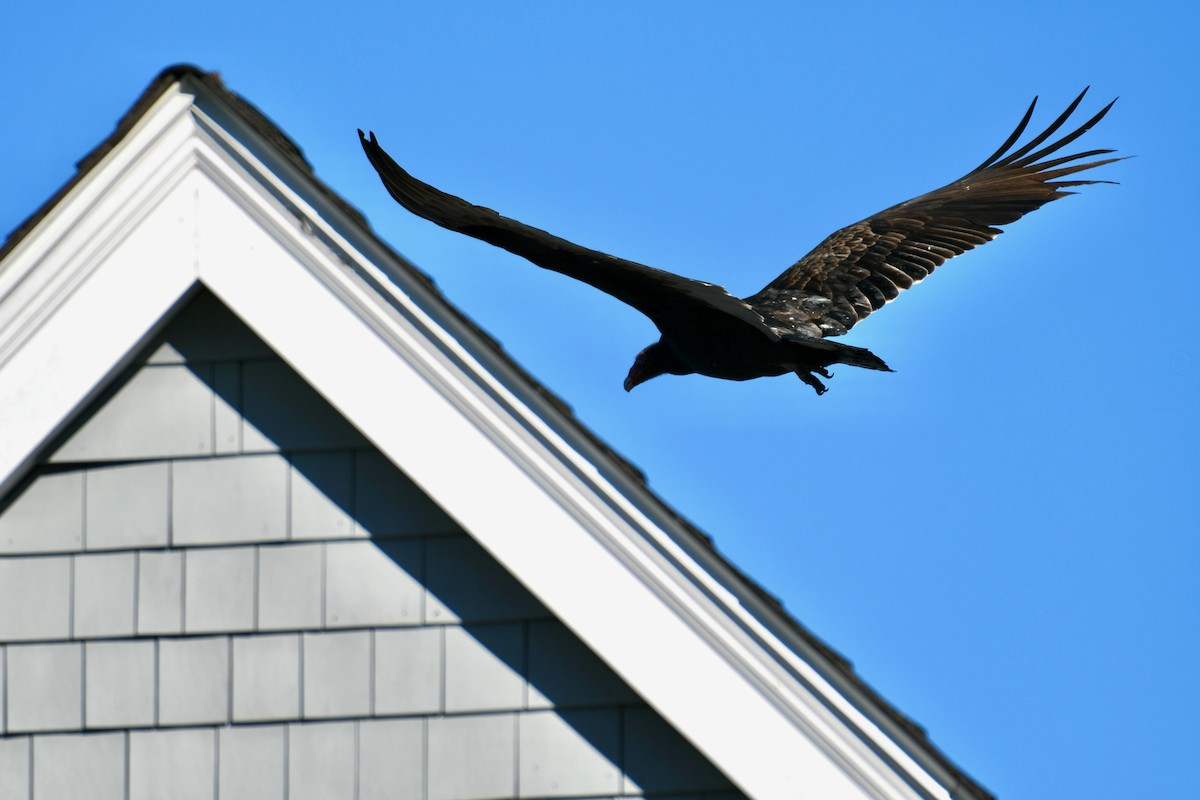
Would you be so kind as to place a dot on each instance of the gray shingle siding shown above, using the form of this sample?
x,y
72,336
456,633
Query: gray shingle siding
x,y
215,587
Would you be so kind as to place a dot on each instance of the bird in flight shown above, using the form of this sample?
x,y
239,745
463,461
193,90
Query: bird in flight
x,y
785,327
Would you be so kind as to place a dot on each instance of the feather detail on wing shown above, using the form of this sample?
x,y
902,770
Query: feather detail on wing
x,y
859,268
663,296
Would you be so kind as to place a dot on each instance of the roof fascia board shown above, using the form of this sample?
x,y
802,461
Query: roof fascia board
x,y
90,330
105,265
72,226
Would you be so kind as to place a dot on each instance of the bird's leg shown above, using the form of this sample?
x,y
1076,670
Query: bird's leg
x,y
812,380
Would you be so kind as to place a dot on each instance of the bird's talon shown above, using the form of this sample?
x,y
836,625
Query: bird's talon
x,y
812,381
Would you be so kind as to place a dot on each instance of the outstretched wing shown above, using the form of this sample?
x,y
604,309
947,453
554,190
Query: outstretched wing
x,y
863,266
668,299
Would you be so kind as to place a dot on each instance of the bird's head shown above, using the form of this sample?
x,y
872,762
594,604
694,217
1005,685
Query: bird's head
x,y
650,363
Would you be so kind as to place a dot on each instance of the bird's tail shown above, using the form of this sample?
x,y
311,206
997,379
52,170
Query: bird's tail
x,y
826,352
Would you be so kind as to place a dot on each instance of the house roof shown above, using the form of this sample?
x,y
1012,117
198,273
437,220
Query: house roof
x,y
797,654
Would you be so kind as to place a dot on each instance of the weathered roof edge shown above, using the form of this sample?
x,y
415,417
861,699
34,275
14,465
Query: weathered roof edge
x,y
964,784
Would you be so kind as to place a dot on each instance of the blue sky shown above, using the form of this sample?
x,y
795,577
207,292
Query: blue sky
x,y
1001,535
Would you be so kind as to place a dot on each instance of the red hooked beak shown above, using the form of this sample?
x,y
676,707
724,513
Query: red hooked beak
x,y
640,372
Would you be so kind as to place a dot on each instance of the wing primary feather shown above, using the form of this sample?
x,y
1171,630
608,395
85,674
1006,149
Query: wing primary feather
x,y
1049,175
1009,142
1054,162
1011,158
1066,140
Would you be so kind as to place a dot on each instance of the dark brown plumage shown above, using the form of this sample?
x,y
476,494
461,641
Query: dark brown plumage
x,y
783,328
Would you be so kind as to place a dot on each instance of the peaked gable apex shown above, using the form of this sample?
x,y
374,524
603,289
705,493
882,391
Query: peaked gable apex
x,y
197,190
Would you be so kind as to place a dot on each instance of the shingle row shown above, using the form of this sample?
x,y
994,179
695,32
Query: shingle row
x,y
273,587
225,500
242,405
203,680
469,757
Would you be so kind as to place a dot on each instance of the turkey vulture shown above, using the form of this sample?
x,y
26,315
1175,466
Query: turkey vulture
x,y
784,327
